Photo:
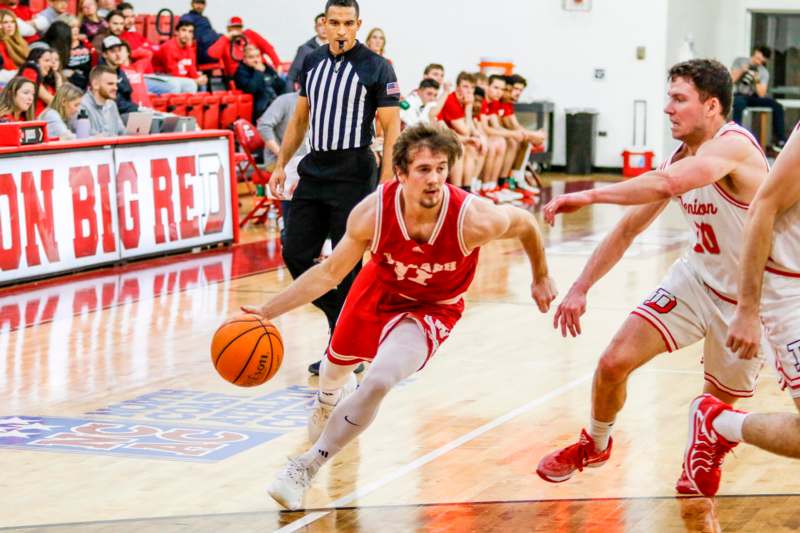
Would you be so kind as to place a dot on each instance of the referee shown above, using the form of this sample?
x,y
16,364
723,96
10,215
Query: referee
x,y
343,86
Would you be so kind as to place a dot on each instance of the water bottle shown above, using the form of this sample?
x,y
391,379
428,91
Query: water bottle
x,y
404,105
82,125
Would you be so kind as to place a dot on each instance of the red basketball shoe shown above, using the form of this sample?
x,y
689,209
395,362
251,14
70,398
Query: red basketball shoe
x,y
684,486
706,448
559,466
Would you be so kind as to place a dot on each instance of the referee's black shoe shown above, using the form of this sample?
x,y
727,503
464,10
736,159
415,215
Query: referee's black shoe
x,y
314,368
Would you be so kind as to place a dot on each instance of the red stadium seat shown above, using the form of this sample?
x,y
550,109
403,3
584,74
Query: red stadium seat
x,y
246,106
141,25
177,104
210,112
160,102
37,5
228,110
250,142
195,106
72,7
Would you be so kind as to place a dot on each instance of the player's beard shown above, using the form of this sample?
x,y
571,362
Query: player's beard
x,y
431,201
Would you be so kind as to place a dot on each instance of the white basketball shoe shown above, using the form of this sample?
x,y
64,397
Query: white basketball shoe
x,y
322,411
289,488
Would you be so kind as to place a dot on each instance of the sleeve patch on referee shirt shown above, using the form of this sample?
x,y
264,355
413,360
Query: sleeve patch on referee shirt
x,y
392,88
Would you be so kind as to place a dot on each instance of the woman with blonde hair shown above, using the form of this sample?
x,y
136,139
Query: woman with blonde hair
x,y
16,100
62,112
13,48
376,41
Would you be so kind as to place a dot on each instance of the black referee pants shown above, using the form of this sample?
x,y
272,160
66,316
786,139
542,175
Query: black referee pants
x,y
331,184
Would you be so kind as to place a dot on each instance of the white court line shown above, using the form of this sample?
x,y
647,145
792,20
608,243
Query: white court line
x,y
427,458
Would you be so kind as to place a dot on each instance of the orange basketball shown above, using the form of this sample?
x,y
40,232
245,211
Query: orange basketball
x,y
247,350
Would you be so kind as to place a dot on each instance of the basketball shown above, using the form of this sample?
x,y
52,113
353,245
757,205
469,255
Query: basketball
x,y
247,350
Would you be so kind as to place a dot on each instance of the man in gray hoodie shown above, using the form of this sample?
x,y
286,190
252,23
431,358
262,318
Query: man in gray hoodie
x,y
99,102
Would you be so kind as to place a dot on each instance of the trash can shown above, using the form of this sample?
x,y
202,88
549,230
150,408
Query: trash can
x,y
581,140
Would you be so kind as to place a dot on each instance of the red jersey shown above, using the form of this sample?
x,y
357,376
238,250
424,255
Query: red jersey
x,y
436,271
177,60
221,50
507,109
451,110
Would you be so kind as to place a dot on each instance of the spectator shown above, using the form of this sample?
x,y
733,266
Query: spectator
x,y
43,68
55,8
99,103
256,78
91,23
306,48
515,85
23,15
104,7
750,84
114,54
376,41
222,48
457,115
16,100
13,48
62,111
435,71
176,58
492,121
136,77
80,55
481,82
142,50
420,103
115,26
204,34
59,38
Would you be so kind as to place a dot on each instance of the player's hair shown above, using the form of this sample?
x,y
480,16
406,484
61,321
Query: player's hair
x,y
125,5
342,3
480,92
515,79
437,139
183,24
766,51
495,77
710,78
115,13
432,66
429,83
465,76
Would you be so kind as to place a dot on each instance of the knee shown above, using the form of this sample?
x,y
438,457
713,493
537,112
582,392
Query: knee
x,y
376,386
613,368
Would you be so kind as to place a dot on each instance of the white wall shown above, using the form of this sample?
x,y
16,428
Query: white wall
x,y
556,50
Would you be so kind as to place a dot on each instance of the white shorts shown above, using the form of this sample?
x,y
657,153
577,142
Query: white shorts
x,y
780,314
685,310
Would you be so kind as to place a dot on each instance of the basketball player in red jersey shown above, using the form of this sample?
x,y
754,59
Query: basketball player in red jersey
x,y
424,236
713,175
769,294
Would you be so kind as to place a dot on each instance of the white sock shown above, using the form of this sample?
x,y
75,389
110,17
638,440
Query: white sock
x,y
313,459
729,425
600,432
329,397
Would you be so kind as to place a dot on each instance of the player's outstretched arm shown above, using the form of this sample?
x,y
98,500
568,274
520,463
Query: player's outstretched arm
x,y
606,255
714,160
780,191
485,222
326,275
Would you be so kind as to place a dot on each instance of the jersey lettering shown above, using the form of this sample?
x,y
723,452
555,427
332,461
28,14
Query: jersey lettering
x,y
661,302
419,274
706,239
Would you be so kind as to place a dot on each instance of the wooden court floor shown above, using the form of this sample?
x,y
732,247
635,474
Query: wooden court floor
x,y
114,420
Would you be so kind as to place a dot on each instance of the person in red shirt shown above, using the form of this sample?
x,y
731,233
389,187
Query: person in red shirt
x,y
142,50
454,115
221,49
13,48
16,100
177,58
43,69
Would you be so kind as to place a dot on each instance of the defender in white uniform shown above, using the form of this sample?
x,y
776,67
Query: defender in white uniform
x,y
714,175
771,256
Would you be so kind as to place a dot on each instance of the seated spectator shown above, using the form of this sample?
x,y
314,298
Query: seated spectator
x,y
750,85
376,41
99,103
79,63
13,48
435,71
222,48
115,25
457,115
204,33
59,38
43,68
114,54
142,50
91,23
62,112
515,85
16,100
481,81
306,48
492,122
55,8
104,7
420,103
176,58
23,15
260,80
136,78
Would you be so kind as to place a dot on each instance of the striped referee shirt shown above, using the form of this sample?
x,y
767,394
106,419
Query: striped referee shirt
x,y
344,92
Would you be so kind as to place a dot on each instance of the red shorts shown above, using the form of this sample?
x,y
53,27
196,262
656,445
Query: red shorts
x,y
372,311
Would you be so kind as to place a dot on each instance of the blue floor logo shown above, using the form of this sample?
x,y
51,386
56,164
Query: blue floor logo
x,y
169,424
